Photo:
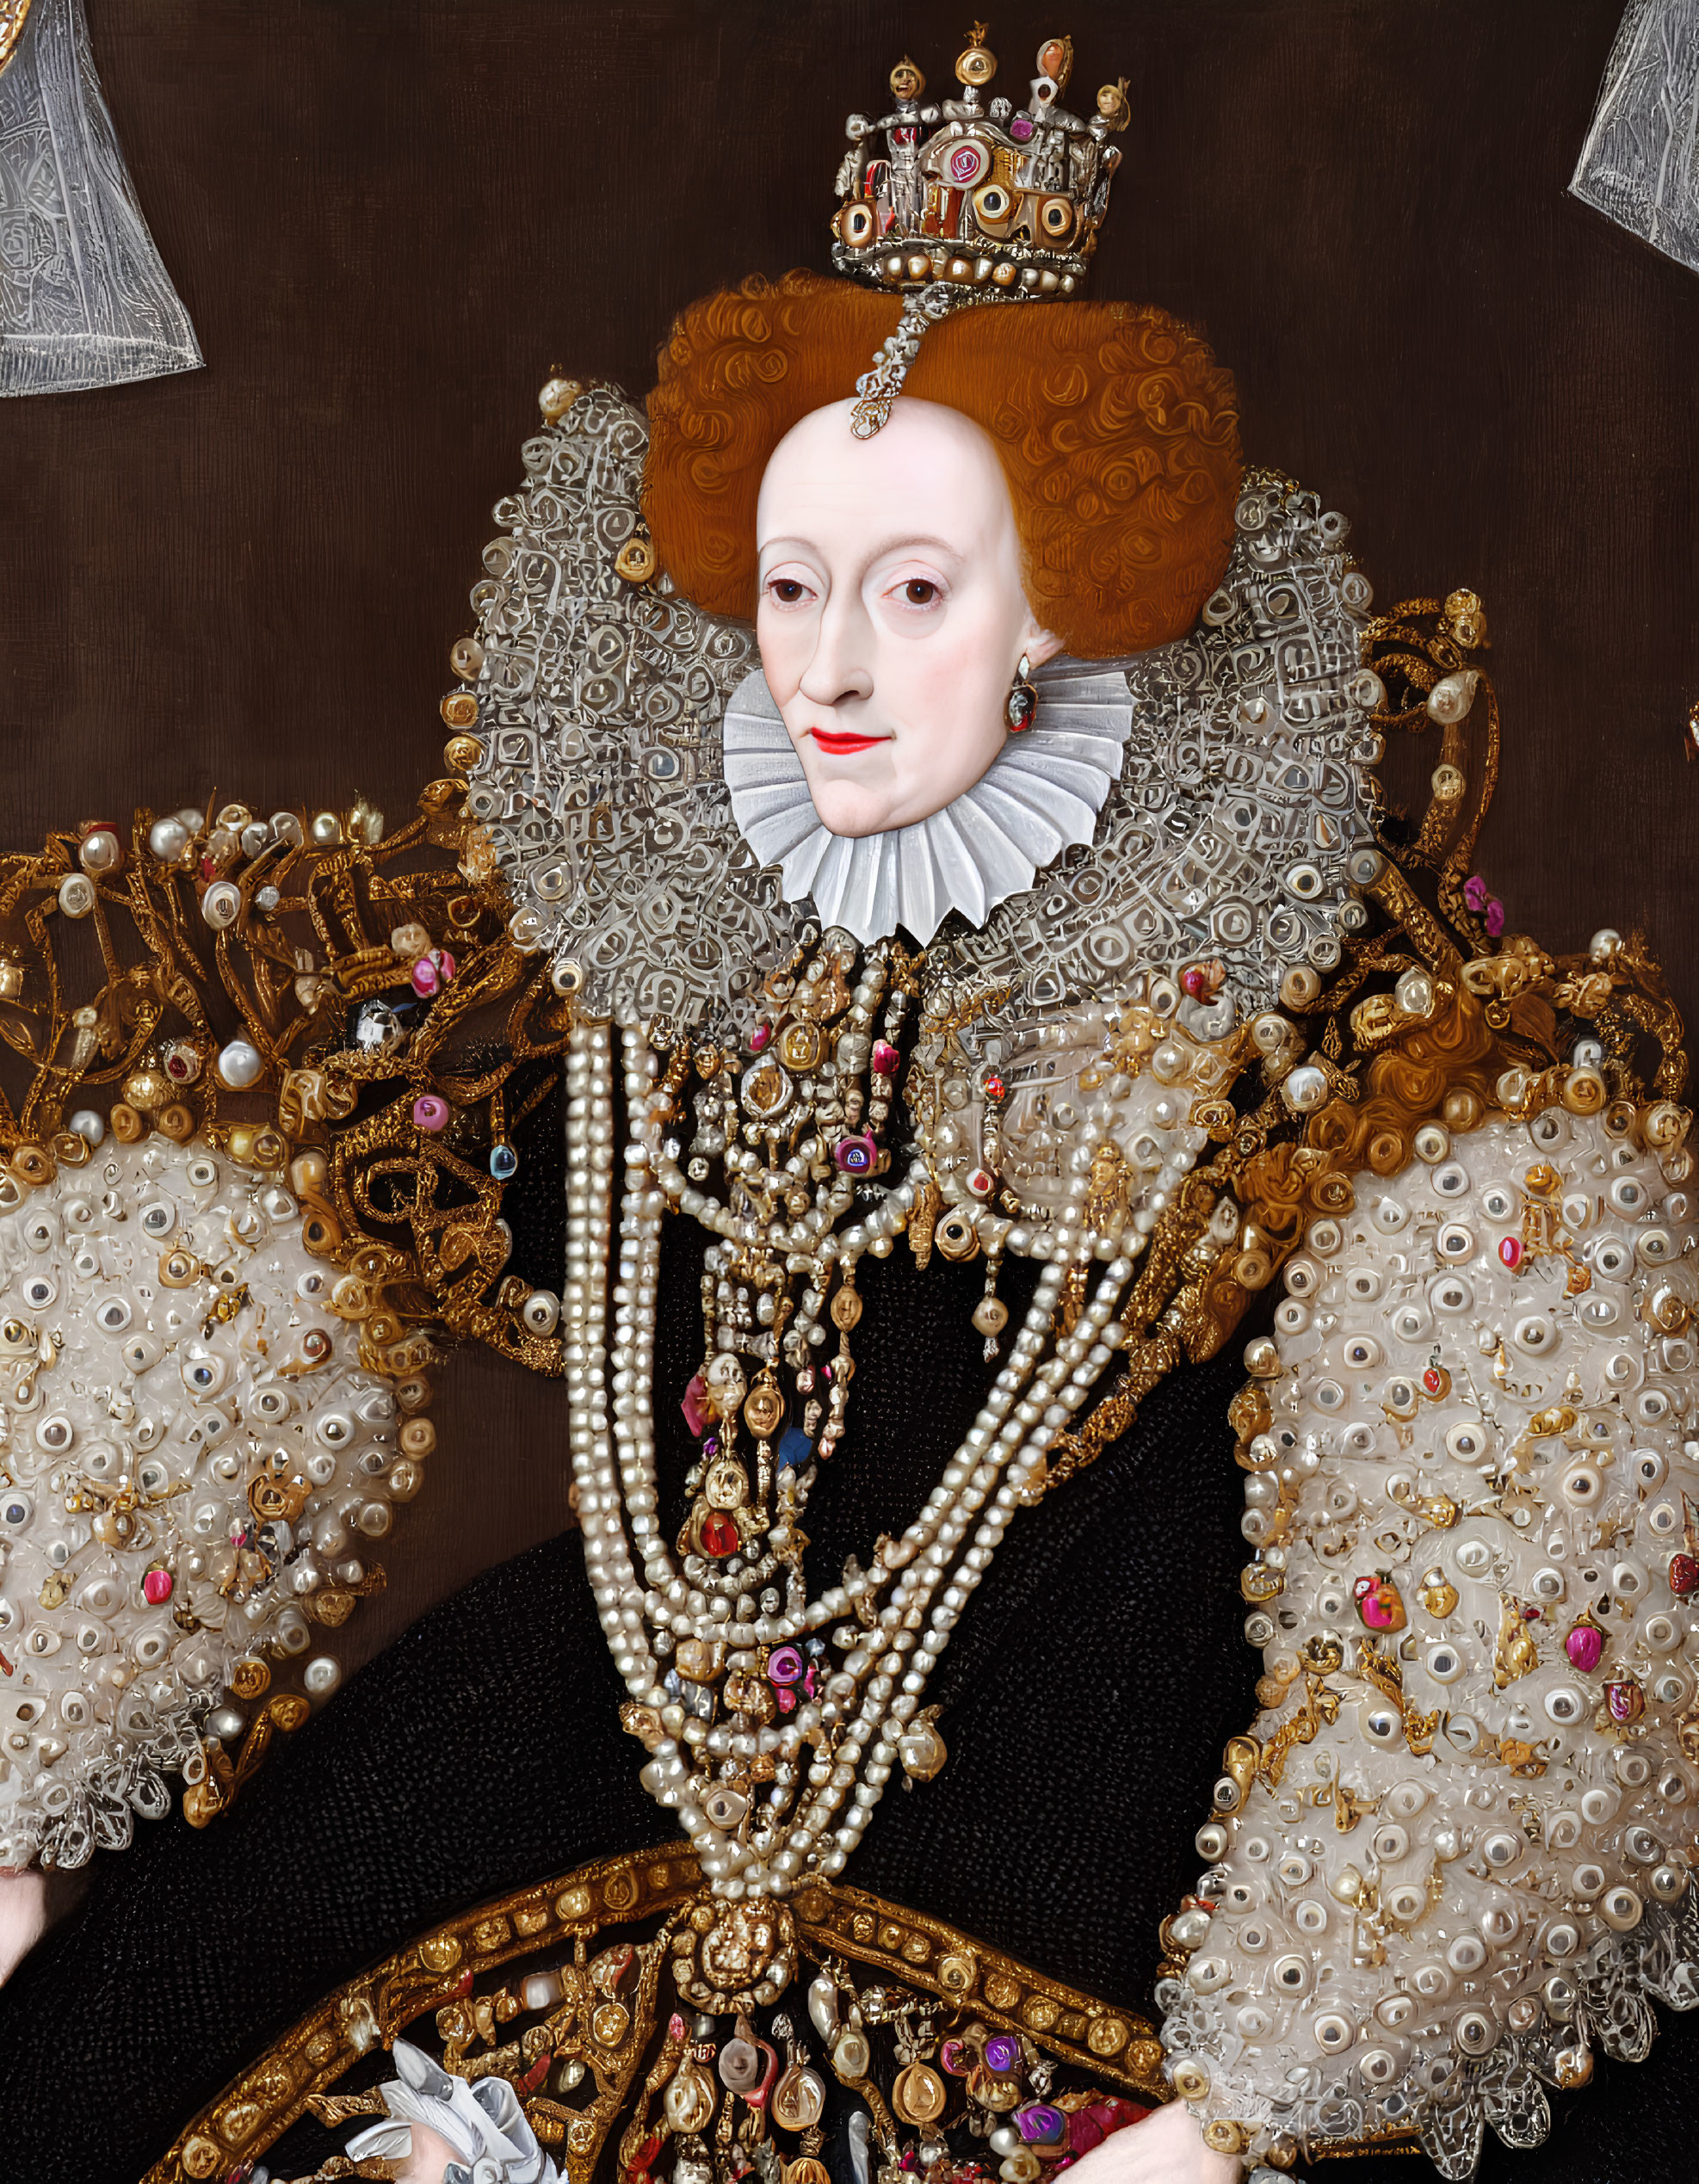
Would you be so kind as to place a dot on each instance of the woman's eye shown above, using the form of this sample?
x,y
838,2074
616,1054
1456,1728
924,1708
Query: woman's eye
x,y
788,591
919,591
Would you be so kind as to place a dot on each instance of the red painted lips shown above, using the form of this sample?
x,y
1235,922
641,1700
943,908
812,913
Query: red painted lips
x,y
841,746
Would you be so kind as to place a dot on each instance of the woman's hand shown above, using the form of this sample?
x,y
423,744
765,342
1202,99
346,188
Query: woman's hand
x,y
1166,2148
431,2154
23,1916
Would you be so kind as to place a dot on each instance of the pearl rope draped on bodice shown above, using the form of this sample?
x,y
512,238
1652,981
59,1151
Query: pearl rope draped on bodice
x,y
912,1595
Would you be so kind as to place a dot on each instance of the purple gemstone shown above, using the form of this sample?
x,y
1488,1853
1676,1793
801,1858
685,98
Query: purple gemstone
x,y
1040,2125
784,1665
1021,128
885,1058
693,1405
1002,2053
856,1154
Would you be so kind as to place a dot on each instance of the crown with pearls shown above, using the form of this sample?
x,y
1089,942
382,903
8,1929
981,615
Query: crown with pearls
x,y
971,194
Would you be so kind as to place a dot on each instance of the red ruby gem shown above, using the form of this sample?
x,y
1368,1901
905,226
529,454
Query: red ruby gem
x,y
1511,1252
993,1086
1084,2132
885,1058
1433,1380
759,1037
720,1535
156,1587
1193,982
1683,1574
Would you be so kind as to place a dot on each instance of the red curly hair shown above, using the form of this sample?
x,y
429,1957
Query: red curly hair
x,y
1117,430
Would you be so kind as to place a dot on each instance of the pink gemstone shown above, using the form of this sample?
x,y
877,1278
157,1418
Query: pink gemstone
x,y
432,972
1084,2132
156,1587
1511,1252
697,1414
759,1037
429,1112
885,1058
1193,982
1586,1648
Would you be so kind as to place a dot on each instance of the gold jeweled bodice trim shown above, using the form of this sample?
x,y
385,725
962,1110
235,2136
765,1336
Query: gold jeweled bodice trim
x,y
451,1970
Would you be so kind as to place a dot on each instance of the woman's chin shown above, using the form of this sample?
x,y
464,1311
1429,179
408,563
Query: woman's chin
x,y
849,809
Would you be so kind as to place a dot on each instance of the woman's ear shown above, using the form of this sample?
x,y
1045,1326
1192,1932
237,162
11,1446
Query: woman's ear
x,y
1039,644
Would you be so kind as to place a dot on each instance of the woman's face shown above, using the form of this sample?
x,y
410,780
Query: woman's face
x,y
892,614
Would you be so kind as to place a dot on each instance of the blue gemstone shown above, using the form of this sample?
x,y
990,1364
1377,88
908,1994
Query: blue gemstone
x,y
795,1450
503,1163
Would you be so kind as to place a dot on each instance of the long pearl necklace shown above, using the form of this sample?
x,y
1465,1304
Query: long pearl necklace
x,y
824,1769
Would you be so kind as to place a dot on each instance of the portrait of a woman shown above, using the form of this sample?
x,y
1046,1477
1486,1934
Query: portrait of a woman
x,y
890,1390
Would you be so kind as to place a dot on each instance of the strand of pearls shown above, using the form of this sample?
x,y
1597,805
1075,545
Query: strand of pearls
x,y
590,1159
930,1571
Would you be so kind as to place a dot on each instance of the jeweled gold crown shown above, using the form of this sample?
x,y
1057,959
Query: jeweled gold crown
x,y
974,193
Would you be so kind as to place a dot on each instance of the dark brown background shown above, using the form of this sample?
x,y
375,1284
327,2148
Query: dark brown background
x,y
390,220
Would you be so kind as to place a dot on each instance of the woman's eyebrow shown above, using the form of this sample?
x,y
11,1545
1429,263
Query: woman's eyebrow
x,y
907,541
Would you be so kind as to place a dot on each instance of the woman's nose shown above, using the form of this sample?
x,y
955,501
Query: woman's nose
x,y
839,672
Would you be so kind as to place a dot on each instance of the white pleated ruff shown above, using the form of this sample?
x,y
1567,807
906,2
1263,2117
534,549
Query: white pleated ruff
x,y
1040,794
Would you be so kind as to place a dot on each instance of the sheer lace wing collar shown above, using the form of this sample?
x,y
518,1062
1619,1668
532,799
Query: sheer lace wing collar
x,y
1042,794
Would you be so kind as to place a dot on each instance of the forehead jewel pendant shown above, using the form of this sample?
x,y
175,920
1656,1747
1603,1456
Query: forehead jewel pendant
x,y
969,202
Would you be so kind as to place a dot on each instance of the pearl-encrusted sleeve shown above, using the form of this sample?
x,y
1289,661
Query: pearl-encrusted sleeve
x,y
195,1470
1450,1862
